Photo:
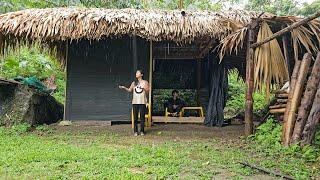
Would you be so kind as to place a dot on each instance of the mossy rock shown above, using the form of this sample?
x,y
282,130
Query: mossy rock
x,y
22,104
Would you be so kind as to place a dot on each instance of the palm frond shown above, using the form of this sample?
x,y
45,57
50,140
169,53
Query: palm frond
x,y
270,65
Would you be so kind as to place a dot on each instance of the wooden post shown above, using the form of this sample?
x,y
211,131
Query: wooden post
x,y
309,131
293,80
249,84
66,78
286,53
307,100
296,97
150,83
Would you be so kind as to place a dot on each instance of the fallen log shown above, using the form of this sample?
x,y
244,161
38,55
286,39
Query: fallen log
x,y
277,111
296,97
292,84
309,130
267,171
307,101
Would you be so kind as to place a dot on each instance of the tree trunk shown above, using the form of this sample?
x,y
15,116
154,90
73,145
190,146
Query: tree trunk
x,y
307,100
309,130
292,84
296,97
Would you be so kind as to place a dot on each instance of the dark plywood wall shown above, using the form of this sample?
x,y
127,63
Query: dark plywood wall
x,y
94,72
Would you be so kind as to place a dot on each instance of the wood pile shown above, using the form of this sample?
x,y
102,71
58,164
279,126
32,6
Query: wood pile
x,y
302,110
280,103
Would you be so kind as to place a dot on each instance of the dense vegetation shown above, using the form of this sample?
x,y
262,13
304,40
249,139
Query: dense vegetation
x,y
31,62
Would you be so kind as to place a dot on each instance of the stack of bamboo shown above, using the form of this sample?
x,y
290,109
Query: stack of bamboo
x,y
280,103
302,112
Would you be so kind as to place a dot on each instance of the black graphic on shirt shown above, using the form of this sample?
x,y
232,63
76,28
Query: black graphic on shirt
x,y
138,89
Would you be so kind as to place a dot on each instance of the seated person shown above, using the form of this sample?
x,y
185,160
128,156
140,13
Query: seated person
x,y
174,104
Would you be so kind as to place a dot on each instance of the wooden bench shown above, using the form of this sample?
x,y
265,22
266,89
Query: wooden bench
x,y
198,108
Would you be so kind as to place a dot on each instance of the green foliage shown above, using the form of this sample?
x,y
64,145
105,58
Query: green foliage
x,y
31,62
44,128
236,93
16,129
14,5
267,141
160,96
309,9
278,7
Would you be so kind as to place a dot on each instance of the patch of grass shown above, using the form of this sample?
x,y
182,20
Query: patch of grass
x,y
294,160
97,155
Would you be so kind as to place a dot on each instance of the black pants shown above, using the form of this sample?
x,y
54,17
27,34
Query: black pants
x,y
171,109
136,109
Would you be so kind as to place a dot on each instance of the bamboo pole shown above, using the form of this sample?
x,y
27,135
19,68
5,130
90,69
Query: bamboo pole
x,y
287,29
292,85
307,100
66,78
297,92
150,84
249,84
277,106
275,111
309,131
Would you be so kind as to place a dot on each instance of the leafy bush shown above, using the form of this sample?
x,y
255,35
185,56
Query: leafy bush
x,y
267,141
32,62
236,101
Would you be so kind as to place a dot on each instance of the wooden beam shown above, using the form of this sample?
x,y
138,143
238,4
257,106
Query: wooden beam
x,y
66,78
296,97
150,83
293,80
287,29
309,131
307,100
249,84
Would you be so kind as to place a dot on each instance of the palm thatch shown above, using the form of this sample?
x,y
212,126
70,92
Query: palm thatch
x,y
94,24
270,65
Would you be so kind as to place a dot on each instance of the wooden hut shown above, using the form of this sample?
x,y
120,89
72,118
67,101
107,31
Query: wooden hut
x,y
101,48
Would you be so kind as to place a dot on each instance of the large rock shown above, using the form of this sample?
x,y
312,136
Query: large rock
x,y
22,104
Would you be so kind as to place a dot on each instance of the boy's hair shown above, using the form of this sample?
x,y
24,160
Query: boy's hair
x,y
174,91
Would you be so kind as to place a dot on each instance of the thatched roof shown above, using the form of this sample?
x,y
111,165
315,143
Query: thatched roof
x,y
94,24
58,26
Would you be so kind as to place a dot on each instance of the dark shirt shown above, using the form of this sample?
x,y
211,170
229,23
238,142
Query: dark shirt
x,y
178,102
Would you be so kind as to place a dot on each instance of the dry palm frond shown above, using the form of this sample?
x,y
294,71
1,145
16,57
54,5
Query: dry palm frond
x,y
232,43
270,65
303,36
315,28
95,24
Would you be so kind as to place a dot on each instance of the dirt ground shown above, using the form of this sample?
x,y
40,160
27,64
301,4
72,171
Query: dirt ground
x,y
171,131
